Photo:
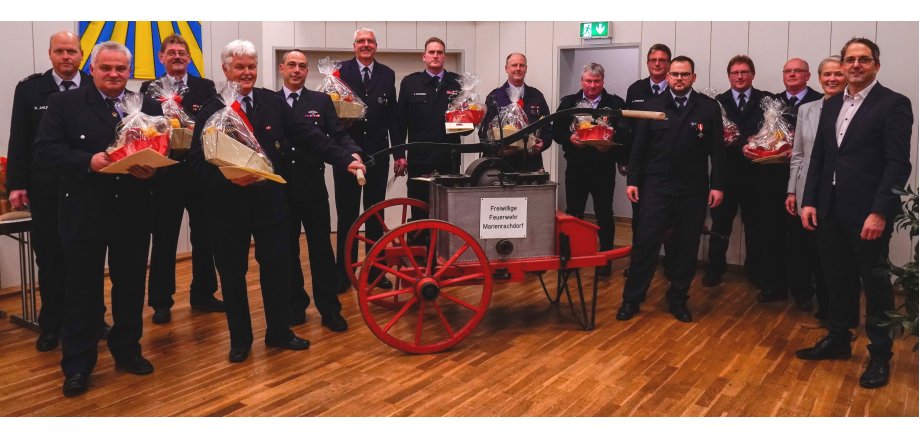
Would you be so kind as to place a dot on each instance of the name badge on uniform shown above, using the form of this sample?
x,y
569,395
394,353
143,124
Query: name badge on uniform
x,y
311,114
419,94
40,108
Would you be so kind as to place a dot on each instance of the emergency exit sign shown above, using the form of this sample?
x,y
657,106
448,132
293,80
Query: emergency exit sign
x,y
597,29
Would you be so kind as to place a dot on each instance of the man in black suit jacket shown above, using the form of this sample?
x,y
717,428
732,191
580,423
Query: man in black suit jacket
x,y
99,213
742,106
308,198
589,171
534,105
174,190
372,133
246,208
423,100
669,175
861,152
34,185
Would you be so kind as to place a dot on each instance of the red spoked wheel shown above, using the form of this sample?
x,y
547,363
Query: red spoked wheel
x,y
444,287
376,213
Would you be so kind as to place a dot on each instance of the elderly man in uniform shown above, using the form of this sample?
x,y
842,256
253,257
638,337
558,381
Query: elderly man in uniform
x,y
246,208
174,190
534,105
34,186
101,214
308,199
375,84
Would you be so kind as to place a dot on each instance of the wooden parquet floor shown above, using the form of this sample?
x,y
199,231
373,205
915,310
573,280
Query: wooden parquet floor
x,y
526,358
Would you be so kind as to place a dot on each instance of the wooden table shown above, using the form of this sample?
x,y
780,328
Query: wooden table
x,y
20,231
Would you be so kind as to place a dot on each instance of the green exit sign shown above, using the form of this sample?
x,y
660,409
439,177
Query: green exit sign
x,y
597,29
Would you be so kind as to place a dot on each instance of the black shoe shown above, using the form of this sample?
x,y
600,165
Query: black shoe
x,y
106,328
210,305
827,348
804,305
876,373
712,280
76,384
299,317
161,315
239,354
604,271
47,341
769,296
626,273
343,285
680,312
335,322
384,283
135,365
627,311
294,343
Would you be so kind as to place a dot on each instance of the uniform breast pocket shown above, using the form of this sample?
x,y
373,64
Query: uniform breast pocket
x,y
418,98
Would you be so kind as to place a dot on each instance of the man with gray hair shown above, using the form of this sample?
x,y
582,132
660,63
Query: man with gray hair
x,y
246,209
589,171
100,213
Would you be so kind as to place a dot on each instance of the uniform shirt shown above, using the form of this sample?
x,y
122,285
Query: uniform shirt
x,y
58,79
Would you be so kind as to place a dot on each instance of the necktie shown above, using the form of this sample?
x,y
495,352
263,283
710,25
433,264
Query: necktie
x,y
179,83
293,97
366,79
656,89
68,85
435,80
110,102
247,105
681,102
741,102
793,100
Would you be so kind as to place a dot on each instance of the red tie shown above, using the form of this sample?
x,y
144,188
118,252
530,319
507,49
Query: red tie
x,y
520,103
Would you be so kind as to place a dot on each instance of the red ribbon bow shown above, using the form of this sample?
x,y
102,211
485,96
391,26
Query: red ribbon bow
x,y
239,111
176,98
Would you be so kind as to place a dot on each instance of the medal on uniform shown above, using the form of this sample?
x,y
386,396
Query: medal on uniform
x,y
699,130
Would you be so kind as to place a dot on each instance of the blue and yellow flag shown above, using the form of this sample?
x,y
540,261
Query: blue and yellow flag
x,y
143,40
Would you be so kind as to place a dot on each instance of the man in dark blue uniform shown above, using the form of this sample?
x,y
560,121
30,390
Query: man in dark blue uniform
x,y
669,175
246,208
589,171
174,190
423,99
101,214
34,185
308,199
375,84
534,105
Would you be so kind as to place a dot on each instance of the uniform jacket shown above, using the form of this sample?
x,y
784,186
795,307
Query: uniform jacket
x,y
280,135
873,157
77,125
623,132
679,150
374,132
639,92
790,114
748,122
535,108
29,105
200,90
421,115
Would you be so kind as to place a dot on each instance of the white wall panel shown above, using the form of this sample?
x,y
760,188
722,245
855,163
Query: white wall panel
x,y
627,32
222,32
658,32
811,41
486,56
512,37
312,34
401,35
729,38
693,40
274,34
340,34
207,47
769,47
842,31
461,35
380,32
428,29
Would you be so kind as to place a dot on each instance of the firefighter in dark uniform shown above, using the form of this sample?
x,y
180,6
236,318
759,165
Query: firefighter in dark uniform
x,y
34,185
174,190
423,99
308,198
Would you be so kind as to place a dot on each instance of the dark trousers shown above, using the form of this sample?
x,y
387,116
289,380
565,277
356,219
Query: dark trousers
x,y
737,195
273,253
658,212
420,189
85,296
49,256
843,252
314,215
768,238
174,191
806,279
598,180
347,203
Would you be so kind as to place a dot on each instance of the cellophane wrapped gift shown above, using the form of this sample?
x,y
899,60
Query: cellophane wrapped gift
x,y
170,93
227,140
511,119
347,104
138,131
595,131
730,131
775,135
467,106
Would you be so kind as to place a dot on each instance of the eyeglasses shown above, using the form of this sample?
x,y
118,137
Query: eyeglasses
x,y
179,53
790,71
365,41
657,60
862,60
679,74
739,73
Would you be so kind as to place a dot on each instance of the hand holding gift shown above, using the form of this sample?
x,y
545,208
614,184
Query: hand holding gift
x,y
590,131
466,110
141,140
170,93
773,143
511,118
347,104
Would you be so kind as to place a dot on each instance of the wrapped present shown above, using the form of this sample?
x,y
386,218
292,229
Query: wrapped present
x,y
347,104
593,131
730,131
511,118
170,93
138,132
775,135
466,110
228,142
